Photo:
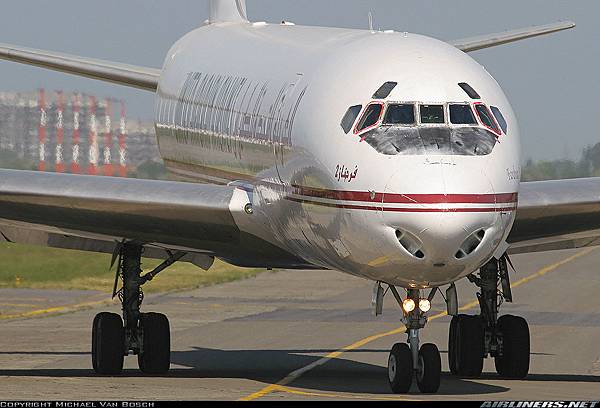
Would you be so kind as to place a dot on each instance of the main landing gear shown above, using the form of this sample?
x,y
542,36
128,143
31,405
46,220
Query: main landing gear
x,y
146,335
506,338
408,361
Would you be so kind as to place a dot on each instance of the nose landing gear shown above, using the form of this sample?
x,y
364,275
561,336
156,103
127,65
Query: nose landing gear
x,y
407,361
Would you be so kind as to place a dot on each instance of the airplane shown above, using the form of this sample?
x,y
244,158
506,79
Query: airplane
x,y
390,156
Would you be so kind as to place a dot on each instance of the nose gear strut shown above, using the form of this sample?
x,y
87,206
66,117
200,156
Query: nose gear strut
x,y
408,360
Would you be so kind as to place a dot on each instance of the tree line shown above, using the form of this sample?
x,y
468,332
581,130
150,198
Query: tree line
x,y
587,166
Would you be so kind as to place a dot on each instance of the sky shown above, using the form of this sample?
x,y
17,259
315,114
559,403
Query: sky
x,y
552,82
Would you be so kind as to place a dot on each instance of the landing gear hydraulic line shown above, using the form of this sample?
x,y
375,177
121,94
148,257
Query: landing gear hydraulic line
x,y
506,338
146,335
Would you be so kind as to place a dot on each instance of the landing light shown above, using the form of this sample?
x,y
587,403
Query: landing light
x,y
408,305
424,305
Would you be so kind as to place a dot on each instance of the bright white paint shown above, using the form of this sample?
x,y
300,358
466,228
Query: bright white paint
x,y
337,68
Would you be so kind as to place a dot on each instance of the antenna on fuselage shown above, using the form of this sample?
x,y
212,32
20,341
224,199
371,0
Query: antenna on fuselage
x,y
371,21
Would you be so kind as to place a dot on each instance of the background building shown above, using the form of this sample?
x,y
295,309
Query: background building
x,y
72,132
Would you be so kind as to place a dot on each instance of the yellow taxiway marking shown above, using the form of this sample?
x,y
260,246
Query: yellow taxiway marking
x,y
550,268
19,304
344,396
294,375
57,309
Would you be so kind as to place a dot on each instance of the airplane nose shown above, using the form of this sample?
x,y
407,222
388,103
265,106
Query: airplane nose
x,y
432,249
451,224
441,239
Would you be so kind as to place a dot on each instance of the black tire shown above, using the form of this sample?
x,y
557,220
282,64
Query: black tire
x,y
430,370
108,343
452,345
400,368
469,346
156,355
514,362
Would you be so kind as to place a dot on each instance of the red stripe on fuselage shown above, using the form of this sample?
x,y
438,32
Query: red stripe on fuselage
x,y
404,209
394,198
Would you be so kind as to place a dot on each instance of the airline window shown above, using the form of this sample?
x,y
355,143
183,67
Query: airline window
x,y
349,118
462,114
400,114
500,119
487,118
432,114
370,117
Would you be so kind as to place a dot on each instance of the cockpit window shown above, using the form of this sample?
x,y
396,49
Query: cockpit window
x,y
500,119
370,117
421,128
384,90
400,114
486,118
462,114
350,117
432,113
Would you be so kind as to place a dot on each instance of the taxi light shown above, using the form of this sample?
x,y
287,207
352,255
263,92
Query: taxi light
x,y
424,305
408,305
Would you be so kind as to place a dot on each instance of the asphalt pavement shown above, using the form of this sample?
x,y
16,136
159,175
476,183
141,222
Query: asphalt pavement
x,y
301,335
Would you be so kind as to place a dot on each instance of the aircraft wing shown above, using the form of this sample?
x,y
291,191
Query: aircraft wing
x,y
147,78
557,214
122,74
93,213
493,40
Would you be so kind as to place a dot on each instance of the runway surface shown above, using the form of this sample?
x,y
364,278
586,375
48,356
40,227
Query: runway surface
x,y
302,335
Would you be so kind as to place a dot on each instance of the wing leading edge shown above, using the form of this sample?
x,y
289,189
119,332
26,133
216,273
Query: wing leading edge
x,y
122,74
87,212
493,40
557,214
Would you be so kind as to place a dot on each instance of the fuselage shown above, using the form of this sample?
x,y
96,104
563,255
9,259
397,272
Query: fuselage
x,y
342,177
